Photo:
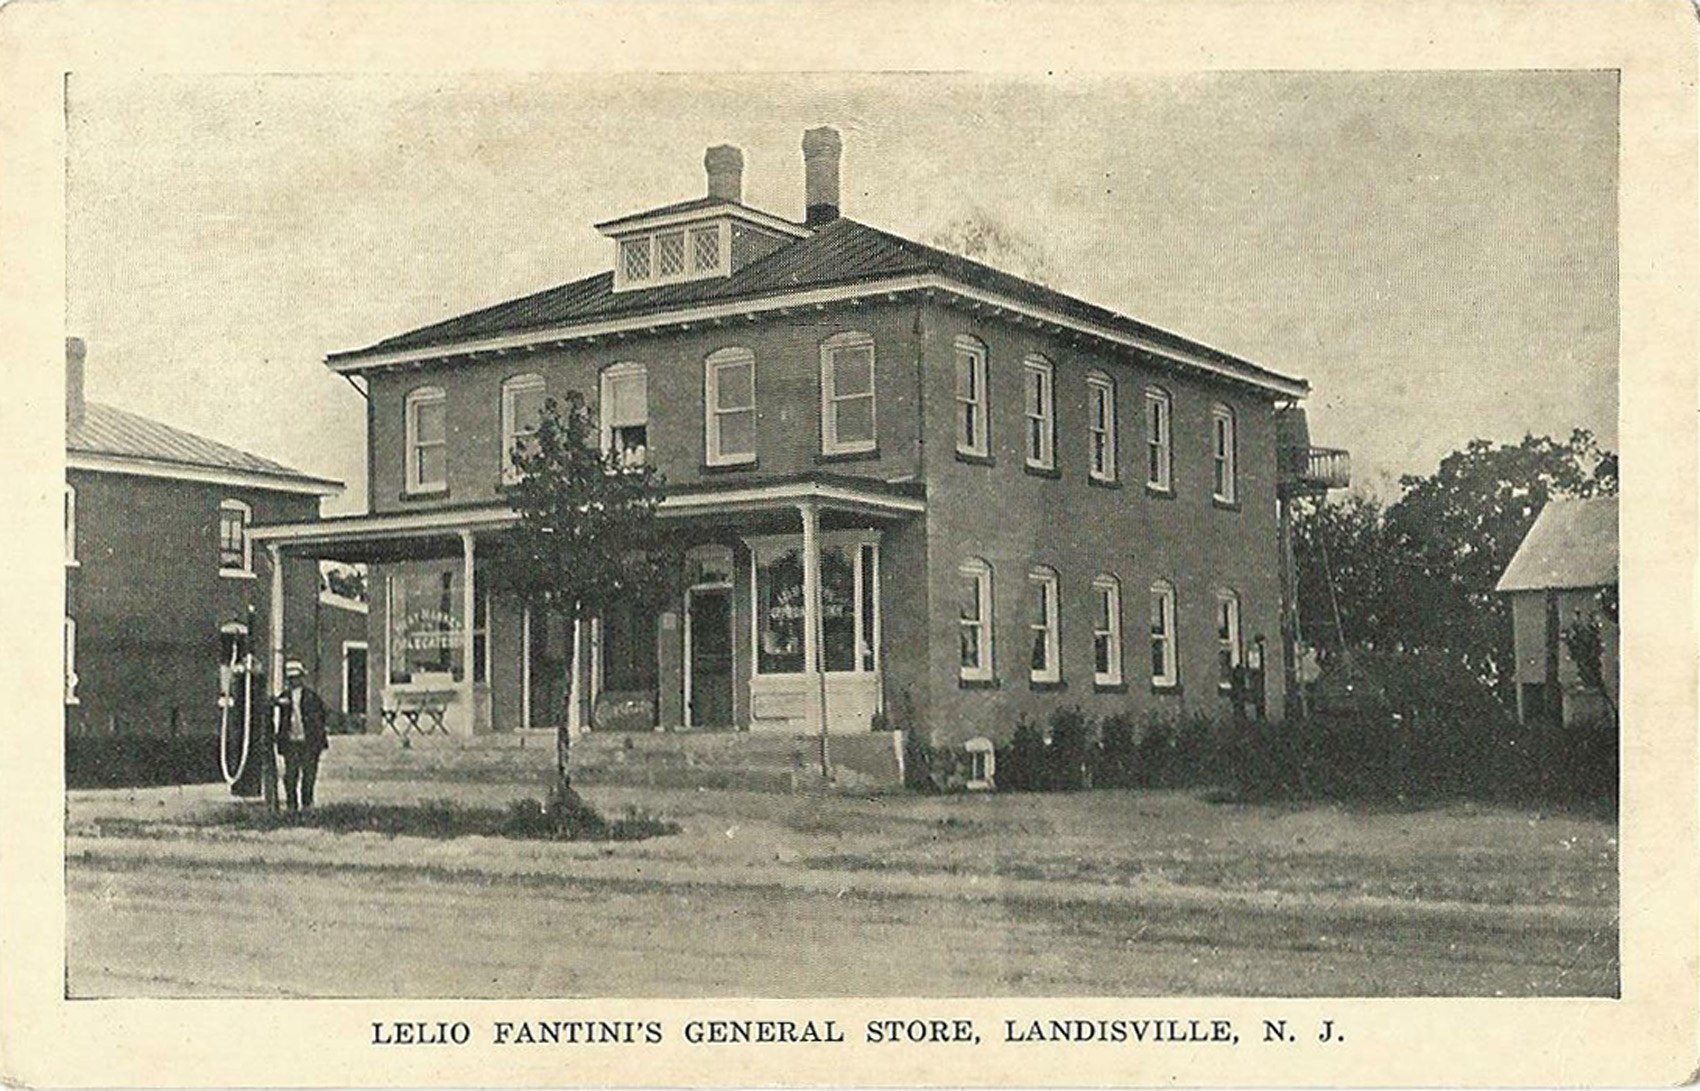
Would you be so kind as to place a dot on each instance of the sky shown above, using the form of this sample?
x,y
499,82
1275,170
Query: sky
x,y
1435,252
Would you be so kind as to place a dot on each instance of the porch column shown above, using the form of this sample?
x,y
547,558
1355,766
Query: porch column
x,y
811,619
275,556
469,623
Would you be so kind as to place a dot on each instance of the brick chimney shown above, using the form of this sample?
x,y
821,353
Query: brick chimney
x,y
725,166
821,150
75,352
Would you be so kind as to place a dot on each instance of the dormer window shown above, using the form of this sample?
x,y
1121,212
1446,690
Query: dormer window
x,y
685,252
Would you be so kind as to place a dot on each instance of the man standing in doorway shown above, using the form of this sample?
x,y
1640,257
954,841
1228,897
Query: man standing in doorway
x,y
300,736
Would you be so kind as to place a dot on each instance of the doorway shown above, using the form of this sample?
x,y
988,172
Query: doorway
x,y
354,677
708,657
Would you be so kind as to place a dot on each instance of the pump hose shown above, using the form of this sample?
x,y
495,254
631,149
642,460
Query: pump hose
x,y
230,778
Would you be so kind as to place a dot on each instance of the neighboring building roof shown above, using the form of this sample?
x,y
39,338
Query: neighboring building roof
x,y
842,252
116,439
1572,544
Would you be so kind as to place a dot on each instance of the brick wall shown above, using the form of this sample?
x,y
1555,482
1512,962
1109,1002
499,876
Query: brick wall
x,y
148,600
1014,520
787,403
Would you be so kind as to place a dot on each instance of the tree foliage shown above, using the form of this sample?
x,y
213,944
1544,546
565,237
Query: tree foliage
x,y
979,236
588,540
1419,574
588,537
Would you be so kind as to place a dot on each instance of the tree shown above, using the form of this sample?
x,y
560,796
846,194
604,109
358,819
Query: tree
x,y
978,236
1419,575
588,539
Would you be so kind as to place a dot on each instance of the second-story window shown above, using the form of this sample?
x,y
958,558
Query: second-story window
x,y
729,403
235,556
522,408
1222,454
1158,458
1038,377
1101,426
427,440
70,524
972,426
624,408
847,394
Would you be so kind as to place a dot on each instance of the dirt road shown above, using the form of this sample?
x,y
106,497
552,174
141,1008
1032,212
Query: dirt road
x,y
166,927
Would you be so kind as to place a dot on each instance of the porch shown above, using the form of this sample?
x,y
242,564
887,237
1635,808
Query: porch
x,y
778,627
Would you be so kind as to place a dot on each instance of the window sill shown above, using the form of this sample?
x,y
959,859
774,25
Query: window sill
x,y
73,563
1049,472
973,459
1169,689
709,468
1102,686
238,573
1103,482
1225,505
1046,685
416,496
865,454
72,702
976,683
1159,494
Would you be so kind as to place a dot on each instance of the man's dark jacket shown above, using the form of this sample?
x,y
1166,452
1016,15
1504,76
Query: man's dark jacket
x,y
312,719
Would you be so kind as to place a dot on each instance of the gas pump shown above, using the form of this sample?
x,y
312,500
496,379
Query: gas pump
x,y
244,744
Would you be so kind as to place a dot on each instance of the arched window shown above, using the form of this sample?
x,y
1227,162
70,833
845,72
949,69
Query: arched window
x,y
729,406
70,524
1165,670
1159,456
973,408
1101,426
847,394
974,617
522,409
1045,661
1039,438
1223,456
623,407
1230,645
1106,630
235,552
70,654
427,440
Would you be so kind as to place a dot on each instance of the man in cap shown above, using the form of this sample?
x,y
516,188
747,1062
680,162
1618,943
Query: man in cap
x,y
300,736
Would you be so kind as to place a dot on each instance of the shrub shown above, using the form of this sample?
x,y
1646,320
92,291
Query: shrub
x,y
1118,756
1022,764
529,819
141,760
1069,756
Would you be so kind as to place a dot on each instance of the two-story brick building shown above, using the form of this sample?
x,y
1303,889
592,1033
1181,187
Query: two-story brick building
x,y
162,581
902,474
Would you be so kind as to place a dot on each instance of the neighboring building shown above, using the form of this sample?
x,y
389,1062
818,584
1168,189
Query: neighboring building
x,y
161,579
341,663
1565,571
1009,500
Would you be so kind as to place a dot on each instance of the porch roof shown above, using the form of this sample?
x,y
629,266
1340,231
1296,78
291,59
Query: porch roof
x,y
400,535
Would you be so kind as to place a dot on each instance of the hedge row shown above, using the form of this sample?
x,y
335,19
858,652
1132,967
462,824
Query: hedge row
x,y
140,761
1365,755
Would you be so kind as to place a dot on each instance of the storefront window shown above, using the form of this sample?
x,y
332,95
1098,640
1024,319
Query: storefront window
x,y
779,613
426,633
838,608
847,609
